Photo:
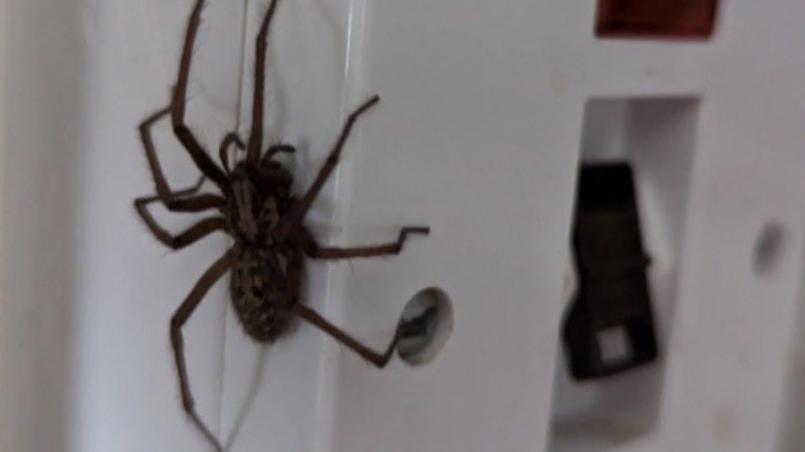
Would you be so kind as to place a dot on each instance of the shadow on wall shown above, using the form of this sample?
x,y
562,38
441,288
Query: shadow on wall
x,y
40,141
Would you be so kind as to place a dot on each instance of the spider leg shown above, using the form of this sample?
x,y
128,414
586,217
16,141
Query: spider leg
x,y
301,207
378,359
291,303
164,192
314,250
223,152
181,203
178,106
191,235
256,136
180,317
189,191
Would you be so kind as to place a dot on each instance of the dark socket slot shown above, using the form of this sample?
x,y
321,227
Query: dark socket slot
x,y
609,327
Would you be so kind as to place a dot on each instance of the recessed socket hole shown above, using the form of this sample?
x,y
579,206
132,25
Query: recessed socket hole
x,y
769,249
425,326
657,137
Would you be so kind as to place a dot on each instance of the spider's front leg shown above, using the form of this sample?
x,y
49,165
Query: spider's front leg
x,y
261,49
316,251
180,317
178,105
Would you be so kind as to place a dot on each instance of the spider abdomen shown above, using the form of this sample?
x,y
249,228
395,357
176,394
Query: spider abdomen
x,y
258,289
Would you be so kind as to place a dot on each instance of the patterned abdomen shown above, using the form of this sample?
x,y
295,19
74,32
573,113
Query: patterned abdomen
x,y
257,289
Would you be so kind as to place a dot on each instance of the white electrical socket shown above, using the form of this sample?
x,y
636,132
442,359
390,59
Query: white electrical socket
x,y
487,111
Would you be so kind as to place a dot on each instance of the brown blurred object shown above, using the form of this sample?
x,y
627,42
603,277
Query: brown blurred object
x,y
689,19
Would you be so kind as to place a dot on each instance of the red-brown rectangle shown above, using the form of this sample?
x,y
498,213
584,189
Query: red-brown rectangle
x,y
686,19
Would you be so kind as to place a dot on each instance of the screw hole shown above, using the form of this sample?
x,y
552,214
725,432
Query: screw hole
x,y
769,248
425,325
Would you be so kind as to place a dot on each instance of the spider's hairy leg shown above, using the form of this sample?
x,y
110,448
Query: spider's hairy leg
x,y
223,152
314,250
180,317
379,359
303,205
178,106
261,48
193,234
171,199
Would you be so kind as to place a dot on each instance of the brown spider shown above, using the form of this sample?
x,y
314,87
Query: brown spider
x,y
256,208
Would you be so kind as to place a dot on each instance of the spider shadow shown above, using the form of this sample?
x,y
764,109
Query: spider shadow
x,y
255,385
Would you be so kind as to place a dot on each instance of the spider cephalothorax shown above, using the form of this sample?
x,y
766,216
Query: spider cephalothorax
x,y
258,197
256,209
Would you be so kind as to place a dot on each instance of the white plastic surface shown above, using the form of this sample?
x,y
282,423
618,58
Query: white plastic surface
x,y
487,109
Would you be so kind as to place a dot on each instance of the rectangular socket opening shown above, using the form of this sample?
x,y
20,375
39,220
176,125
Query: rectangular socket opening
x,y
656,137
